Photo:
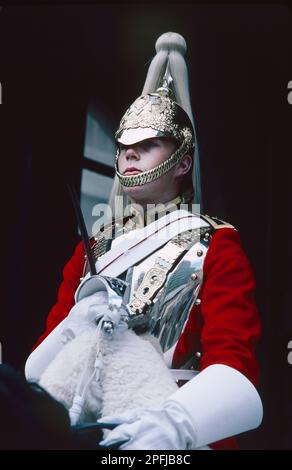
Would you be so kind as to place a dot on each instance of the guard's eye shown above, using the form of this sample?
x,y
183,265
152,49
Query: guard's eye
x,y
149,144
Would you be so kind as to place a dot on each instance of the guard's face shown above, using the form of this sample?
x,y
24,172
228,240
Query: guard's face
x,y
143,156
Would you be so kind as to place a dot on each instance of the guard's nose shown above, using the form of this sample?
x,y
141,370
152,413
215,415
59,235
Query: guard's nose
x,y
132,154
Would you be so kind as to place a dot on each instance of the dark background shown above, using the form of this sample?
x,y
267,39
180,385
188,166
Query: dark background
x,y
55,60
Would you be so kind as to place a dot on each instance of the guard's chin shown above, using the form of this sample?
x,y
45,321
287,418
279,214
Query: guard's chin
x,y
135,191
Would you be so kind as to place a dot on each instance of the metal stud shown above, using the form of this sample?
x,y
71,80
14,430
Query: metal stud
x,y
198,302
206,236
199,253
81,279
108,327
194,277
198,354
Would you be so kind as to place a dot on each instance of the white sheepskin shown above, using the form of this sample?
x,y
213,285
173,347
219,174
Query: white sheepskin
x,y
61,377
133,376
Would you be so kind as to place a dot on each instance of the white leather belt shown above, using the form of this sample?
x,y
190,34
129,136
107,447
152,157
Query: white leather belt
x,y
142,242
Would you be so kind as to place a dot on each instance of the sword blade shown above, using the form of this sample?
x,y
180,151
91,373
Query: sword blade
x,y
82,227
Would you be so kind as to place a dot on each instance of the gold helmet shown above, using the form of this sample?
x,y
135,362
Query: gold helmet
x,y
162,112
155,115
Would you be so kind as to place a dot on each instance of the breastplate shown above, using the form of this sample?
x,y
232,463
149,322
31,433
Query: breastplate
x,y
169,313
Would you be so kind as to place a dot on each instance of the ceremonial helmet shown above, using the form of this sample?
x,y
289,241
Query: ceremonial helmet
x,y
163,110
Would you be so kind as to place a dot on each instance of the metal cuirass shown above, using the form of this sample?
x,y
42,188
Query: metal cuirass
x,y
173,275
170,309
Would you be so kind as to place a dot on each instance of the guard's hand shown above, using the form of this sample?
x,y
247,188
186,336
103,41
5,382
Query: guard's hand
x,y
85,314
165,428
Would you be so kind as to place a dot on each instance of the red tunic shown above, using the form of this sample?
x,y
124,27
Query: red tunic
x,y
225,328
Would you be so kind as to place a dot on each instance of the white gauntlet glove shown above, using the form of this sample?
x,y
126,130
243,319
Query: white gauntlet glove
x,y
85,314
218,403
95,297
160,429
81,317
